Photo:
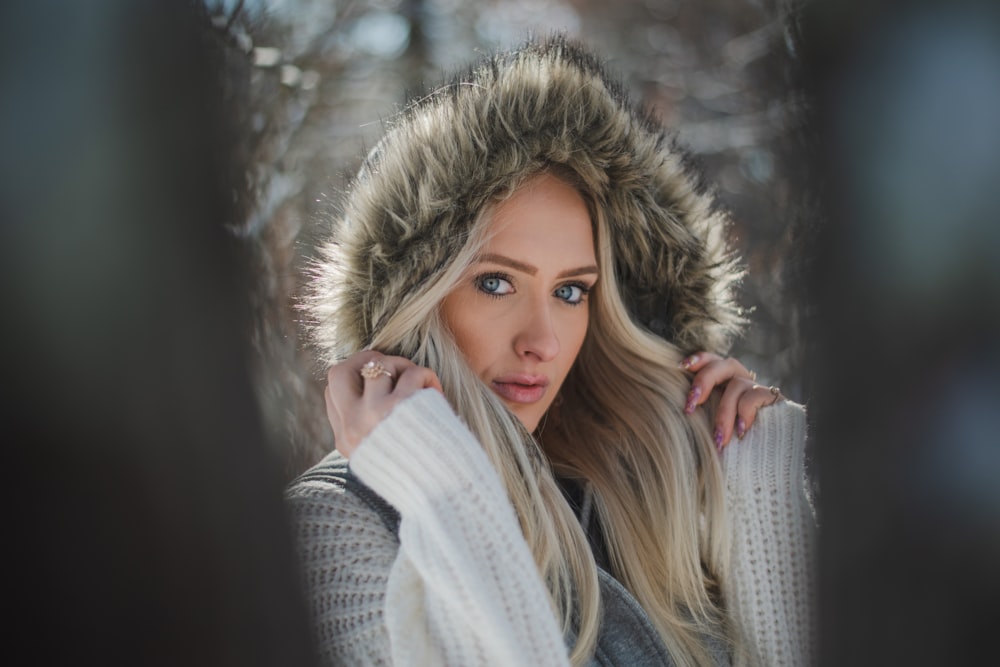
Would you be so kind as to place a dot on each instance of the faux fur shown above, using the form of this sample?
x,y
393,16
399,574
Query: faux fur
x,y
450,152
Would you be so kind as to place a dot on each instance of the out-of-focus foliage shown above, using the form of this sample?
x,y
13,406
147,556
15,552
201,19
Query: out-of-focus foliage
x,y
326,74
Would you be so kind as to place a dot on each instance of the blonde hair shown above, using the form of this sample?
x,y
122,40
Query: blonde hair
x,y
655,480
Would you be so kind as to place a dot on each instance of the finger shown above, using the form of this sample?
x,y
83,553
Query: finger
x,y
379,375
343,393
364,389
720,371
340,400
332,413
381,397
713,374
726,413
749,404
344,377
414,379
695,362
419,377
380,383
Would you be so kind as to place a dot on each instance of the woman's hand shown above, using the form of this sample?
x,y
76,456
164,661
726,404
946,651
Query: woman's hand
x,y
741,397
363,389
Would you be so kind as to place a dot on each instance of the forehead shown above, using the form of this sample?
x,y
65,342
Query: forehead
x,y
544,217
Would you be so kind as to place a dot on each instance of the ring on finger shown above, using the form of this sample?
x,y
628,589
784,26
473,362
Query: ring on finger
x,y
374,369
773,390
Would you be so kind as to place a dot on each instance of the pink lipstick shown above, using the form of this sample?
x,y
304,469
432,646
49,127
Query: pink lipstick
x,y
521,387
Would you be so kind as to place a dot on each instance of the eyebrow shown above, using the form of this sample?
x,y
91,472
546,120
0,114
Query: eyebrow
x,y
532,270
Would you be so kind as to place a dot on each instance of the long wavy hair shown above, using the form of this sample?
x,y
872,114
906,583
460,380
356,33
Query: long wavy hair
x,y
620,429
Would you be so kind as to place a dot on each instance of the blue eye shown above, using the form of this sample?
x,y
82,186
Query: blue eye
x,y
494,285
572,294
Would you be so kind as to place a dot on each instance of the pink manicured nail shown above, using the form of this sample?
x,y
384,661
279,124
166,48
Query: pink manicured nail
x,y
693,397
741,428
718,438
690,361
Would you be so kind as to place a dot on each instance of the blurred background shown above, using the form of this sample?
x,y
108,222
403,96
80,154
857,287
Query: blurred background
x,y
166,168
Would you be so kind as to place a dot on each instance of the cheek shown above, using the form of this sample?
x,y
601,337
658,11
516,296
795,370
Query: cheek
x,y
462,319
475,346
576,334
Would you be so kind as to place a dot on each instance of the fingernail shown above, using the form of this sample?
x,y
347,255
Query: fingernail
x,y
741,428
692,400
690,361
718,438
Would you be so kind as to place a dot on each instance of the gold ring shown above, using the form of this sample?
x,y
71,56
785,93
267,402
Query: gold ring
x,y
774,391
374,369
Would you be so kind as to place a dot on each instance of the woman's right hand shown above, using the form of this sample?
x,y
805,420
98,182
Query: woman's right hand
x,y
363,389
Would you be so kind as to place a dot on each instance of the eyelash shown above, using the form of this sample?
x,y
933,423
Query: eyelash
x,y
584,291
478,283
479,280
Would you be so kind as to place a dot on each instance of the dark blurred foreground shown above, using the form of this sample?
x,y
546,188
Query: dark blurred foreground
x,y
907,276
143,510
143,516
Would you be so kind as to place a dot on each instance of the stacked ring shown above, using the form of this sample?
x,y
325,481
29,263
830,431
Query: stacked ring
x,y
374,369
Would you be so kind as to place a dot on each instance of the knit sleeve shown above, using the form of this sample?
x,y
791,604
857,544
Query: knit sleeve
x,y
464,588
771,590
345,555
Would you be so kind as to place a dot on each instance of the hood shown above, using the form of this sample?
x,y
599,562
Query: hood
x,y
450,152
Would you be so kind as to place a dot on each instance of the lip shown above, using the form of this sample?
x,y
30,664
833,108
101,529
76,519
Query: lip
x,y
521,387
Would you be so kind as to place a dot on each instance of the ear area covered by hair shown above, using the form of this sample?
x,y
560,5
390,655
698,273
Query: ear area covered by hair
x,y
451,153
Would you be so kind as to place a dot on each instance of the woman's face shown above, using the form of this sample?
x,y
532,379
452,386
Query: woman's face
x,y
520,313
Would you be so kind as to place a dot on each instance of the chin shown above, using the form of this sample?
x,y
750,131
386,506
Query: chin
x,y
530,422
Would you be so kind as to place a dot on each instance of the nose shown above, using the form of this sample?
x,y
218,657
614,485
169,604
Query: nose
x,y
536,336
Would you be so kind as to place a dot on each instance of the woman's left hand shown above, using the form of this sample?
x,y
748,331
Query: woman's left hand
x,y
741,398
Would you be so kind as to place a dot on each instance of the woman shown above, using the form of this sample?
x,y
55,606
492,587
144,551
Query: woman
x,y
521,266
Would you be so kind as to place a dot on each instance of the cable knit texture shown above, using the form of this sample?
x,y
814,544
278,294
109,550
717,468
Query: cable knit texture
x,y
460,586
773,533
463,589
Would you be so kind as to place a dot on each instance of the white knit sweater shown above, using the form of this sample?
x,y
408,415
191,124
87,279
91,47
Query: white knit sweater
x,y
460,586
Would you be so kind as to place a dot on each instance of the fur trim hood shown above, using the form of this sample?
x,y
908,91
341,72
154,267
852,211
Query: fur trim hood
x,y
449,153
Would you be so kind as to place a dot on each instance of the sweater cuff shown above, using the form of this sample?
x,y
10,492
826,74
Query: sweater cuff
x,y
423,452
773,453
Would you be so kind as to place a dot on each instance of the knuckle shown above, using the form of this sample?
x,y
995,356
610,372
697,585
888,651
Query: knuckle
x,y
365,356
417,374
703,379
731,395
